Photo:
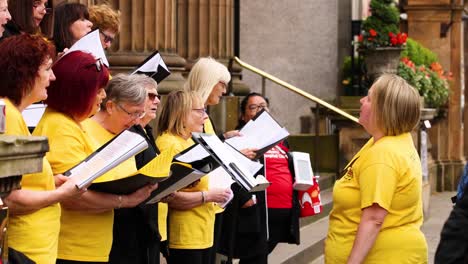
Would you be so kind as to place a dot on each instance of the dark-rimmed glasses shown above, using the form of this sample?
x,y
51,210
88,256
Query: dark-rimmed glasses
x,y
107,38
254,107
132,115
153,96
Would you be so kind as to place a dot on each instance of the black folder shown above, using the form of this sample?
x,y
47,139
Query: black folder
x,y
154,67
182,174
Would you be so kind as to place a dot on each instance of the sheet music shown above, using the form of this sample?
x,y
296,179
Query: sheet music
x,y
219,178
152,64
121,148
33,113
259,133
90,43
194,154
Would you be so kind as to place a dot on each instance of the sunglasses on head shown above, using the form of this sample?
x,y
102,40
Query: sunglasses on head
x,y
98,64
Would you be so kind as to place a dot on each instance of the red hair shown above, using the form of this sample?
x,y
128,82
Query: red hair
x,y
78,80
20,59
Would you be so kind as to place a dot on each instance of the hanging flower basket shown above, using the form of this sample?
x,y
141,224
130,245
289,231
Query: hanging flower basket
x,y
381,60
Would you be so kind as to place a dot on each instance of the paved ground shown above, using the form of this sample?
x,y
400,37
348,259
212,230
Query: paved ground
x,y
440,208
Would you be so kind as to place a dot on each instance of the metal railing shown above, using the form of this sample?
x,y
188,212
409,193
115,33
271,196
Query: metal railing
x,y
293,89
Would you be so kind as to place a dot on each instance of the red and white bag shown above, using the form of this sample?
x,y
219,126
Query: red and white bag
x,y
310,200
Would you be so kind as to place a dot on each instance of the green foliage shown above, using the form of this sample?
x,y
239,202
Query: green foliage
x,y
430,85
419,54
378,29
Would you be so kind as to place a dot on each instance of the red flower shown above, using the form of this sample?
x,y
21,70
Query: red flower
x,y
373,33
360,38
394,41
402,38
391,35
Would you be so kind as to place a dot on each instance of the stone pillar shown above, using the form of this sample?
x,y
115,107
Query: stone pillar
x,y
438,26
206,28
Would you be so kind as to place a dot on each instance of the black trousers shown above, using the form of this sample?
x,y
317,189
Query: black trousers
x,y
279,223
192,256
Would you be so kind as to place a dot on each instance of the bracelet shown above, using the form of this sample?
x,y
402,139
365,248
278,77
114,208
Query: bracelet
x,y
202,197
120,202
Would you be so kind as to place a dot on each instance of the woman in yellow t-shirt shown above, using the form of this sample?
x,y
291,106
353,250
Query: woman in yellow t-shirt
x,y
123,108
76,94
191,210
25,71
377,205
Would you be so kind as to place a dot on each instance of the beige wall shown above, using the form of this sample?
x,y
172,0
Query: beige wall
x,y
297,41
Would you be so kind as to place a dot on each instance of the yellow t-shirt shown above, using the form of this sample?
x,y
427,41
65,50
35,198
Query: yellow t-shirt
x,y
193,228
162,220
83,236
387,172
35,234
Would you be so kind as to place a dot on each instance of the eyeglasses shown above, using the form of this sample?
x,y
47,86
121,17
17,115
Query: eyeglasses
x,y
254,107
153,96
132,115
98,64
201,111
107,38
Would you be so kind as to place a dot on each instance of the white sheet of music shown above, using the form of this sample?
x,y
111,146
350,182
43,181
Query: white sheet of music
x,y
259,133
123,147
196,153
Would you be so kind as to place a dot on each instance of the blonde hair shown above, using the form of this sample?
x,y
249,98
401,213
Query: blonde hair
x,y
205,74
395,105
104,17
177,107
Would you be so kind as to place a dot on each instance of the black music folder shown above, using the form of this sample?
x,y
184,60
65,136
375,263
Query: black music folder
x,y
241,169
154,67
187,167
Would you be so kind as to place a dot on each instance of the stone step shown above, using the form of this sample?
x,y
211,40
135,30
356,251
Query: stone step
x,y
313,232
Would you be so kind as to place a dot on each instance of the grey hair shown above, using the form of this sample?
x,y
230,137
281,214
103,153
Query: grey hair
x,y
147,81
124,88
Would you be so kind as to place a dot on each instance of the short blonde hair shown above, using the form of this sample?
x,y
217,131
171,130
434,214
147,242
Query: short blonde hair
x,y
205,74
396,105
104,18
177,107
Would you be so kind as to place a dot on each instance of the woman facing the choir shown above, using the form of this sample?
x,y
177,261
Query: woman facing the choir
x,y
377,205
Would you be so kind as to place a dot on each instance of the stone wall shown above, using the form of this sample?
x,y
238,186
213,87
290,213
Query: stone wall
x,y
298,41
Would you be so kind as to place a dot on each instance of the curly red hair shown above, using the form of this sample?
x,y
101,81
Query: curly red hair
x,y
20,59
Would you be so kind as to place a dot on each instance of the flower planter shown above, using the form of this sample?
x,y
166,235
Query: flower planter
x,y
381,60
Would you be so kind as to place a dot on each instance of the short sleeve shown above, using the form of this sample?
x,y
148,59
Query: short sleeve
x,y
377,184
